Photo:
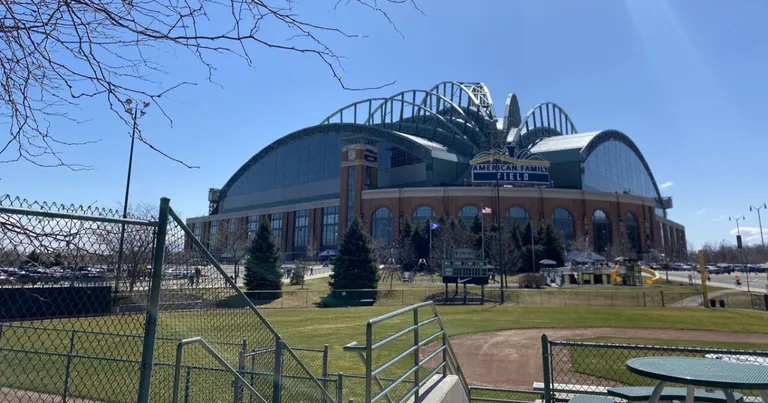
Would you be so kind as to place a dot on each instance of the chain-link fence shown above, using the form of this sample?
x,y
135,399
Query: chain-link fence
x,y
91,299
590,368
73,302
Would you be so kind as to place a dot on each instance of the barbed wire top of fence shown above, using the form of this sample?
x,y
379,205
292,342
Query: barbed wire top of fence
x,y
88,210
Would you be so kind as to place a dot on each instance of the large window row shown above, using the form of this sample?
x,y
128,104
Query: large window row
x,y
300,230
330,228
382,226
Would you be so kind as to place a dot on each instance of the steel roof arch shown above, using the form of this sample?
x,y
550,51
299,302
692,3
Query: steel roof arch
x,y
468,122
486,104
557,111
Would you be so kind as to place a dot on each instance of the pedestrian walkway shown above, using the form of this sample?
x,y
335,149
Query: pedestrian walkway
x,y
697,300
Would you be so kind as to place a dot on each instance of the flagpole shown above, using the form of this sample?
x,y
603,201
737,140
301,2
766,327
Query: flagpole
x,y
482,234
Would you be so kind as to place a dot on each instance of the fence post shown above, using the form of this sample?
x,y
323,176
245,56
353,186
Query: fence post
x,y
150,327
662,299
545,357
278,375
612,295
68,370
339,387
324,381
187,384
645,304
253,370
239,387
306,299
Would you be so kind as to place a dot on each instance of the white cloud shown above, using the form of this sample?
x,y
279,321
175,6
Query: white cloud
x,y
749,234
667,184
701,212
719,218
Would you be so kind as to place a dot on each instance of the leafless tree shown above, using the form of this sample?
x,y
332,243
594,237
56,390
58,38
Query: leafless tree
x,y
138,244
55,56
391,270
235,246
303,266
581,243
504,255
449,237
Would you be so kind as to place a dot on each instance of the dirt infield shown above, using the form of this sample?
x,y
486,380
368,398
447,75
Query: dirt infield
x,y
512,358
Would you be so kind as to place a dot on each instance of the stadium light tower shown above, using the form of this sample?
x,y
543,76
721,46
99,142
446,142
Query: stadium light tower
x,y
136,110
759,221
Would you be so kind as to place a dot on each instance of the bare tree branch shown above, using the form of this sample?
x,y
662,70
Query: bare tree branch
x,y
56,54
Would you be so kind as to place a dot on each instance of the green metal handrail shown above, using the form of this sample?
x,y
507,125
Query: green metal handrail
x,y
449,362
216,356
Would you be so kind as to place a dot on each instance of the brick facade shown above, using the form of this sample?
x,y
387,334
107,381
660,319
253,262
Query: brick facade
x,y
655,232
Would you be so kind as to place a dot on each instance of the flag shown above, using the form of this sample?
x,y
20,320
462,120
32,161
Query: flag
x,y
433,225
486,210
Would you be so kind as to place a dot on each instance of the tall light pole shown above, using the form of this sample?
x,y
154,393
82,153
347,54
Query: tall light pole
x,y
738,238
135,110
760,223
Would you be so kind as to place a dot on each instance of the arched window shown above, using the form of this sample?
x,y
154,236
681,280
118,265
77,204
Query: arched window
x,y
468,214
601,226
562,220
633,231
518,214
381,226
422,214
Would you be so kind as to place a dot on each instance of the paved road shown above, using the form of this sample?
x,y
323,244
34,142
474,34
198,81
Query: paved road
x,y
757,281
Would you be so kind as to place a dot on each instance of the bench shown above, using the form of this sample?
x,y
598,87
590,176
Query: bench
x,y
590,399
643,393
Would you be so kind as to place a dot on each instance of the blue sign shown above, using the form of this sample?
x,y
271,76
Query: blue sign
x,y
510,167
370,156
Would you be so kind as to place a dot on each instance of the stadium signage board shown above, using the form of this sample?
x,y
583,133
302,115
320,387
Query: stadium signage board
x,y
510,167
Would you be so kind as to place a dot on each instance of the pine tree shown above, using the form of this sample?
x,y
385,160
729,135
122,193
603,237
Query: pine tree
x,y
357,267
420,240
476,230
552,245
262,268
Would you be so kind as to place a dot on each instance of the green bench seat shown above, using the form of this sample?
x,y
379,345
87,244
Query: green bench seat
x,y
589,399
643,393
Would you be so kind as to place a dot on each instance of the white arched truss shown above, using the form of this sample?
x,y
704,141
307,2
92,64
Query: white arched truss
x,y
547,115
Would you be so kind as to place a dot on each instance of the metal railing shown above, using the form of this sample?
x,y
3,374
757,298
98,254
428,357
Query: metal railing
x,y
372,371
572,367
207,347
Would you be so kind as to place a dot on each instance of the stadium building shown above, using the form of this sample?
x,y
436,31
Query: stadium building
x,y
444,152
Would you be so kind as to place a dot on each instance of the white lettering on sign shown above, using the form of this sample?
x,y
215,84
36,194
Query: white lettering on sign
x,y
464,253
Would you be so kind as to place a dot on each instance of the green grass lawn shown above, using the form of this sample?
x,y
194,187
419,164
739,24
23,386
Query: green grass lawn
x,y
403,294
116,379
609,364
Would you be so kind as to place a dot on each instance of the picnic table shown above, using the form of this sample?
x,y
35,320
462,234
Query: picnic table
x,y
705,373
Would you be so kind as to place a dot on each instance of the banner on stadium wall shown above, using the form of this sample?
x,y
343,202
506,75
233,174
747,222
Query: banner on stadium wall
x,y
510,167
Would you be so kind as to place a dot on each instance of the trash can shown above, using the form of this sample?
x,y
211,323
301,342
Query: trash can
x,y
712,303
722,303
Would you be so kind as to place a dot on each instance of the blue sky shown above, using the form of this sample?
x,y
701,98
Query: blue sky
x,y
684,79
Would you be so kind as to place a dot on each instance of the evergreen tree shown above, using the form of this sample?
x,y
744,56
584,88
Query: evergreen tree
x,y
357,267
262,267
420,240
552,245
530,251
406,231
476,230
